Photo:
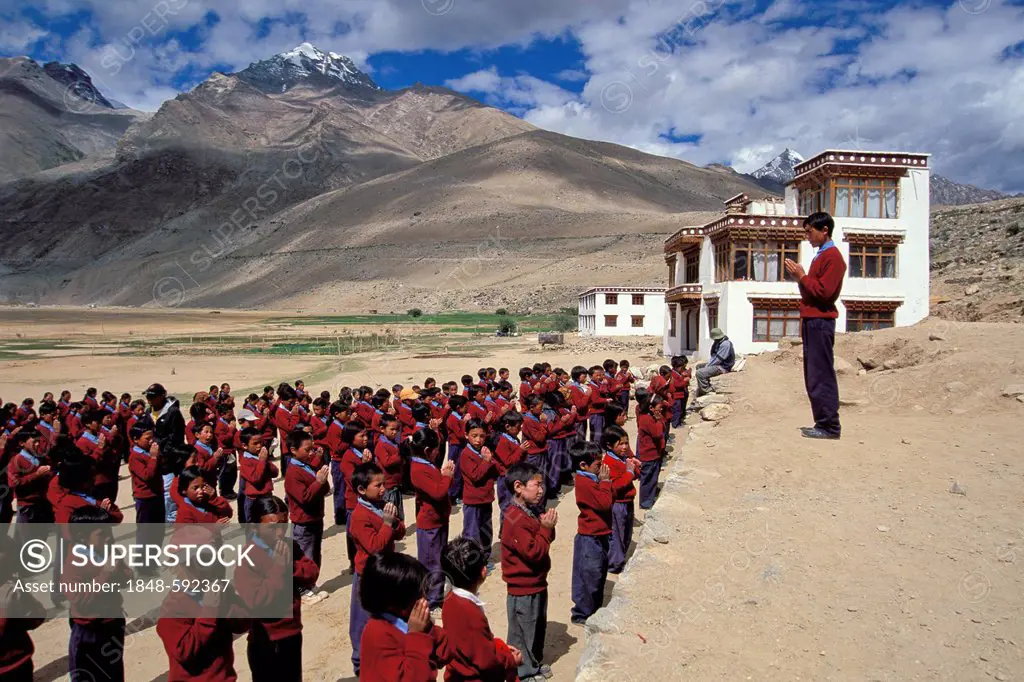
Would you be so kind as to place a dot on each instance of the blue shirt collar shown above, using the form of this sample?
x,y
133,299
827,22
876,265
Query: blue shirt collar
x,y
592,477
397,622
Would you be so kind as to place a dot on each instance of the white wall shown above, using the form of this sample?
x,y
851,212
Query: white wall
x,y
653,311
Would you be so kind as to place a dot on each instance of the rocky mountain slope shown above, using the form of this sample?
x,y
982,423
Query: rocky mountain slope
x,y
978,261
53,115
299,182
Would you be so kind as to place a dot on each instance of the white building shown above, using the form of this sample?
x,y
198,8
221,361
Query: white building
x,y
622,311
729,273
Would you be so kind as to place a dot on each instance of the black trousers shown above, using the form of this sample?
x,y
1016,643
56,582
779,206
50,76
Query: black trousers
x,y
274,661
819,335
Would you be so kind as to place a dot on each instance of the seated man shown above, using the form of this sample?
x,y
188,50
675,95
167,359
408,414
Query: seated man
x,y
723,357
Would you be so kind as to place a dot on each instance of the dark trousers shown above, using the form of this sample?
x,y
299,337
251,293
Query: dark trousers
x,y
357,619
429,545
23,673
29,527
581,430
243,514
527,627
504,500
477,525
624,400
338,486
819,335
558,462
150,516
274,660
394,496
455,489
284,463
589,574
596,427
350,546
649,472
678,412
622,535
310,538
96,652
227,477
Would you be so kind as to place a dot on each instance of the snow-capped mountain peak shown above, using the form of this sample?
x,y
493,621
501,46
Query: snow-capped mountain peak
x,y
305,63
77,82
781,168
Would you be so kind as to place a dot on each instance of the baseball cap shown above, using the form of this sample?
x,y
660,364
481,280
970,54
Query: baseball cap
x,y
155,390
408,394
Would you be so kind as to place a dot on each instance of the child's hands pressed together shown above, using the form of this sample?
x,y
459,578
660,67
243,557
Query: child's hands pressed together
x,y
321,475
604,473
486,454
525,445
390,513
264,454
367,455
549,519
154,450
419,619
448,469
282,553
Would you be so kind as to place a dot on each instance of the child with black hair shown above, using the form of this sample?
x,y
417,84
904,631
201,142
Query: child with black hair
x,y
305,486
625,379
354,438
256,470
20,613
477,408
476,653
340,414
579,396
594,497
274,647
508,452
208,456
147,484
400,642
28,474
74,486
48,427
196,496
433,507
374,527
319,420
96,644
598,399
224,437
680,386
615,443
285,418
95,445
650,447
456,442
525,562
467,383
479,472
565,419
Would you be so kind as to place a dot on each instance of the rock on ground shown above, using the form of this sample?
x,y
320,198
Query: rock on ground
x,y
714,413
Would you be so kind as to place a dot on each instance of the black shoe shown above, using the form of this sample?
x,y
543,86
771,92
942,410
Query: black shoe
x,y
579,621
819,434
229,495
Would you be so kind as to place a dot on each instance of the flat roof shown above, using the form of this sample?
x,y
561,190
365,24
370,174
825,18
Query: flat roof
x,y
623,290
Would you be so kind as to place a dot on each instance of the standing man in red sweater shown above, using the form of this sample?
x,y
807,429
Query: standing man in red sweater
x,y
819,291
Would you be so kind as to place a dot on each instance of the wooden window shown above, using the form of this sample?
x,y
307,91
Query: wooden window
x,y
723,255
712,315
869,315
865,197
814,199
692,268
671,273
873,255
611,320
672,320
762,260
775,318
638,299
638,321
611,299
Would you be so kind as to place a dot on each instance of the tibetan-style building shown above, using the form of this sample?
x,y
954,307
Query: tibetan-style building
x,y
729,273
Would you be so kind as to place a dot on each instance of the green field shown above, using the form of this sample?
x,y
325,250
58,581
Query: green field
x,y
454,322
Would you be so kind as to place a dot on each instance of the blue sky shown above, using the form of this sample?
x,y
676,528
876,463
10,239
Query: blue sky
x,y
702,80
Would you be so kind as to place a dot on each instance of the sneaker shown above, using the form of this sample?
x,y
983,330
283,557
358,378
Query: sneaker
x,y
579,621
545,671
819,434
313,596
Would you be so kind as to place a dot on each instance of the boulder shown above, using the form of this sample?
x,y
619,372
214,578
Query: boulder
x,y
1013,390
936,337
842,366
711,399
868,363
787,342
972,290
956,387
714,413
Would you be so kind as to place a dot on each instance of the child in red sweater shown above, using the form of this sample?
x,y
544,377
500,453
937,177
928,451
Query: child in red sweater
x,y
477,655
525,561
147,484
374,527
594,497
400,643
479,472
433,507
197,498
456,427
354,439
305,486
256,471
389,459
508,452
20,613
650,447
624,472
275,644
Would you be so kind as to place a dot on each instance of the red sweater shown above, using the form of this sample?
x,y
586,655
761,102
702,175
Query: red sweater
x,y
405,418
820,287
204,456
47,437
16,646
525,391
594,499
258,474
650,438
388,459
477,655
332,440
680,384
261,584
29,484
433,508
305,493
478,476
106,459
622,479
349,461
318,429
508,452
285,422
389,655
525,552
598,397
224,435
216,508
456,429
477,411
83,606
65,503
147,482
364,411
536,433
659,385
370,534
579,398
197,642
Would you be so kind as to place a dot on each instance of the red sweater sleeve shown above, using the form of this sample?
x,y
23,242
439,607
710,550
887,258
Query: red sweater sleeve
x,y
430,482
820,287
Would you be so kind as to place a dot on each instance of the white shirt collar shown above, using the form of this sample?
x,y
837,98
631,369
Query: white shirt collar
x,y
466,594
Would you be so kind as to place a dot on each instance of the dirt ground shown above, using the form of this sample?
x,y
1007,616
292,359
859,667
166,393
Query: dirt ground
x,y
326,646
785,558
